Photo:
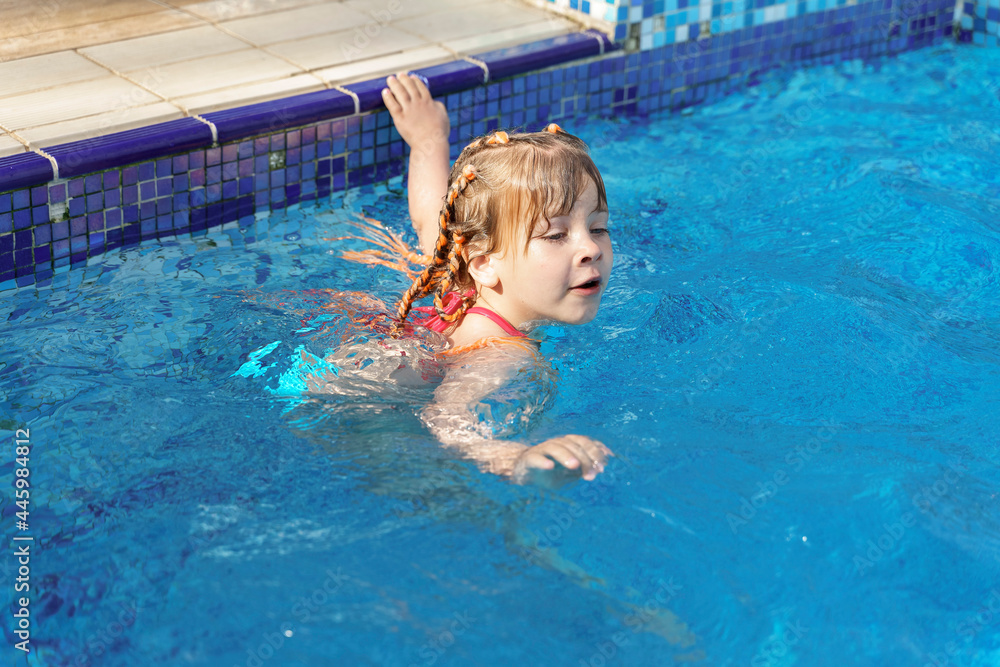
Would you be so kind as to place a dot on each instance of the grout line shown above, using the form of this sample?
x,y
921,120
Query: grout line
x,y
211,126
600,42
126,77
28,148
226,31
481,64
354,96
52,160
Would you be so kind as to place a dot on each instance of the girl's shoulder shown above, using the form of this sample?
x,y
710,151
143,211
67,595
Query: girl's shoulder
x,y
492,347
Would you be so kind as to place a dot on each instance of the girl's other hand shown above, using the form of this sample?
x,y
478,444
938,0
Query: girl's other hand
x,y
419,119
578,454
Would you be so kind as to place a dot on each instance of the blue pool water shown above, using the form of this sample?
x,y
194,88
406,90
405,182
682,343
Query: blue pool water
x,y
797,363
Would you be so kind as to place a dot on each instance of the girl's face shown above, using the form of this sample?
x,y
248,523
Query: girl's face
x,y
564,271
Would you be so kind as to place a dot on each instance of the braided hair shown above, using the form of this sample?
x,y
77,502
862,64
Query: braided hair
x,y
499,183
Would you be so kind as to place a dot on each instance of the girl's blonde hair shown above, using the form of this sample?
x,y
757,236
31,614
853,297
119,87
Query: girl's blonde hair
x,y
501,184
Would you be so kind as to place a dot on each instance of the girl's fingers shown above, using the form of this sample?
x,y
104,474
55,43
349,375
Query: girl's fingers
x,y
409,84
593,448
571,455
419,86
537,460
390,102
399,90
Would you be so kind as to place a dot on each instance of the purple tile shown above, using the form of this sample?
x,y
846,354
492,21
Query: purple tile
x,y
6,222
23,240
23,260
130,194
95,222
130,175
43,234
22,199
272,116
24,170
111,179
57,193
164,187
114,150
43,255
95,202
60,230
22,218
246,185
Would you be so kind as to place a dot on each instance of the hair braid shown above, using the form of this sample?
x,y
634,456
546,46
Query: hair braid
x,y
440,275
451,271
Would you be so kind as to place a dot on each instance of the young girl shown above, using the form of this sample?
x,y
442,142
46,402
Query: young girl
x,y
522,239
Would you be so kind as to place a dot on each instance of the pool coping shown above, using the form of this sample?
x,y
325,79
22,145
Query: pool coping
x,y
43,165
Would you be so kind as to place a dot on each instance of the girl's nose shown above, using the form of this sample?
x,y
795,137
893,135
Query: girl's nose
x,y
590,249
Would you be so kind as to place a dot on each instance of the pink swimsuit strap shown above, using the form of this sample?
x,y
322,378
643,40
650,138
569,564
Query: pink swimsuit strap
x,y
497,319
452,302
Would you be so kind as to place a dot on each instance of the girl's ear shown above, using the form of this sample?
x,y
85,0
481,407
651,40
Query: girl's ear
x,y
483,270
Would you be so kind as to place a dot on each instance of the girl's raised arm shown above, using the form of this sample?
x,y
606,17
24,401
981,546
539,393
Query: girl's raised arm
x,y
423,124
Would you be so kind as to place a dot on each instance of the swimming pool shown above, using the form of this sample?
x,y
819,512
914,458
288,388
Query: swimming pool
x,y
796,364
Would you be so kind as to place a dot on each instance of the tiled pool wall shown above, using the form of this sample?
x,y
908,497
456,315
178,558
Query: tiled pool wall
x,y
980,22
173,179
654,23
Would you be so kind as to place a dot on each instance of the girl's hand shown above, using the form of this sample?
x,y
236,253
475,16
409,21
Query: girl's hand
x,y
577,453
421,121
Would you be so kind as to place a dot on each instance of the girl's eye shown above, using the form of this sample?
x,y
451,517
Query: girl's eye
x,y
558,236
600,230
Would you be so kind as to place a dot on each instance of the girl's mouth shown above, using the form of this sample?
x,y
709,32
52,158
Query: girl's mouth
x,y
589,287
